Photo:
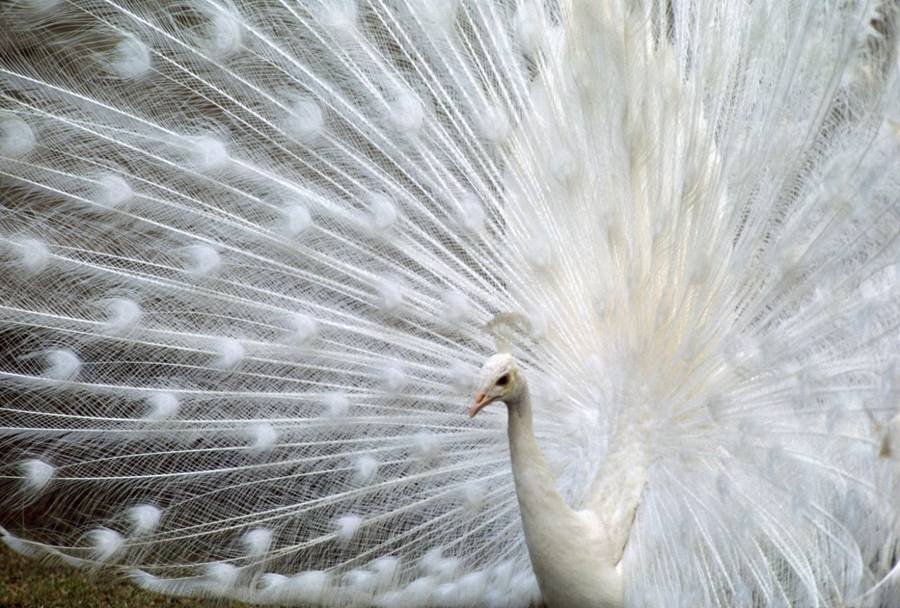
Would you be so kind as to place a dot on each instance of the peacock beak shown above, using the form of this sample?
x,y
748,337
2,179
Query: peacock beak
x,y
481,400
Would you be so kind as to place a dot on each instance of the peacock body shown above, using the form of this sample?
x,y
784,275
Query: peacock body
x,y
253,254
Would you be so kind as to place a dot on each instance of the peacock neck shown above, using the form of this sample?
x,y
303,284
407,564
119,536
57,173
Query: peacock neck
x,y
535,484
568,549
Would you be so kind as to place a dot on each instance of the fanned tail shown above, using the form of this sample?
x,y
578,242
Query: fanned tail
x,y
248,252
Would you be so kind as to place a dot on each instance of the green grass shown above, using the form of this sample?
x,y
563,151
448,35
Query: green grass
x,y
31,583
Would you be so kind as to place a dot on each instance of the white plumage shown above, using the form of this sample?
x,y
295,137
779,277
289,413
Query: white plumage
x,y
253,254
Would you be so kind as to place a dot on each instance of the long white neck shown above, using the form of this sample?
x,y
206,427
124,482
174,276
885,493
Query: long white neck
x,y
535,484
571,554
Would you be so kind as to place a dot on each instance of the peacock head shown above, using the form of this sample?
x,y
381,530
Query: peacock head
x,y
498,380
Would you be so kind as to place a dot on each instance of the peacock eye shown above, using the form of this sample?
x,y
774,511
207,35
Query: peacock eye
x,y
503,380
